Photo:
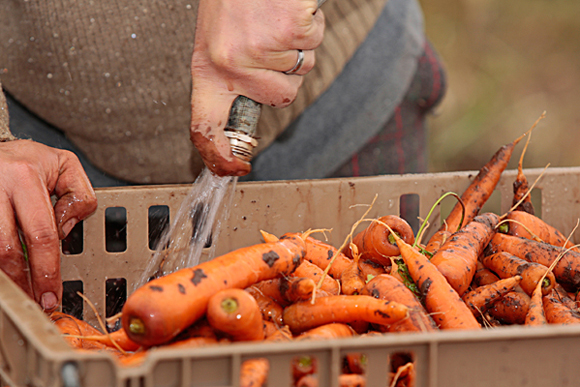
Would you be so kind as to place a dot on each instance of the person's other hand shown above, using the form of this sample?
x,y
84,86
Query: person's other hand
x,y
31,174
245,48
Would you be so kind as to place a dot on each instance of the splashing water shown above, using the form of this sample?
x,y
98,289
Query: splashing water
x,y
192,228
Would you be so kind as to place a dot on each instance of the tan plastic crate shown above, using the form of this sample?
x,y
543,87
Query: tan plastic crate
x,y
32,353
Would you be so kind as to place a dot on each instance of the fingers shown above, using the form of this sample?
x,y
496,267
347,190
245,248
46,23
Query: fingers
x,y
12,260
209,115
35,216
76,197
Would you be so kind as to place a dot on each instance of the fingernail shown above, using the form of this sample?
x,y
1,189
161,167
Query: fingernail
x,y
48,301
68,226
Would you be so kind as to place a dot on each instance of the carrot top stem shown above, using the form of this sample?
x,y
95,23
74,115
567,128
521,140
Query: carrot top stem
x,y
229,305
425,222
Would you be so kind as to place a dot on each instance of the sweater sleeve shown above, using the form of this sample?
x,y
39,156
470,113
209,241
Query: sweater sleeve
x,y
5,134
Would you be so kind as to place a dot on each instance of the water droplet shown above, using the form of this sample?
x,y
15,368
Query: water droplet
x,y
55,35
133,36
188,6
108,110
10,41
92,20
107,75
32,38
128,133
49,75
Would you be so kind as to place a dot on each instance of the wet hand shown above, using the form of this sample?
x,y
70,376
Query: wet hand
x,y
31,173
246,48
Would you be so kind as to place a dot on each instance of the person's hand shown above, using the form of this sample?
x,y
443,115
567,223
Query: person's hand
x,y
31,174
245,48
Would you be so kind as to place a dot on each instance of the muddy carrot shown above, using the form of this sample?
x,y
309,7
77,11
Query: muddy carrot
x,y
525,225
254,372
159,310
512,308
437,240
237,314
482,298
567,270
456,259
564,297
352,280
312,271
536,315
386,287
558,313
320,253
271,310
521,187
274,332
305,315
440,299
370,269
506,265
376,243
483,276
480,189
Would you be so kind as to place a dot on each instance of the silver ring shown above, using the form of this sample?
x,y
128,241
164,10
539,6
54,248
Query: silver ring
x,y
298,64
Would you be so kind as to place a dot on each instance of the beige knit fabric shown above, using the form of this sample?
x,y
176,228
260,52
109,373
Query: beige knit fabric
x,y
114,76
5,134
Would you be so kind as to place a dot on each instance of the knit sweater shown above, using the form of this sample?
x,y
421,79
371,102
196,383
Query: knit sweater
x,y
114,76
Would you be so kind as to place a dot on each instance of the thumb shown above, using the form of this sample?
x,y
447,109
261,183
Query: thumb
x,y
210,109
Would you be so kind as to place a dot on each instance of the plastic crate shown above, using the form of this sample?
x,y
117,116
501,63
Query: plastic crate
x,y
32,352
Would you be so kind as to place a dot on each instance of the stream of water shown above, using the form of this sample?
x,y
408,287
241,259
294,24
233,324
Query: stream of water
x,y
196,226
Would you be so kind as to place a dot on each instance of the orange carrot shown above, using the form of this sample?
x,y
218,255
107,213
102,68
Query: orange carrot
x,y
271,310
237,314
370,269
525,225
512,308
536,315
480,189
119,337
310,270
483,276
437,240
482,298
254,372
354,363
567,270
352,280
558,313
137,358
302,366
159,310
376,243
327,331
521,186
352,380
320,254
456,259
305,315
386,287
440,299
309,380
506,265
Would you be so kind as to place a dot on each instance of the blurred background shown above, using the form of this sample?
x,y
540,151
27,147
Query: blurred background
x,y
507,62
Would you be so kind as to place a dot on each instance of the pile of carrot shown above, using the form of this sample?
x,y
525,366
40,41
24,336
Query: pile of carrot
x,y
479,270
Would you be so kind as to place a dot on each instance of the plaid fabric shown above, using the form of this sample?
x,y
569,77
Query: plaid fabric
x,y
401,146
